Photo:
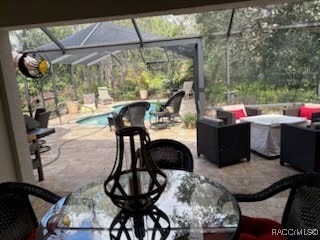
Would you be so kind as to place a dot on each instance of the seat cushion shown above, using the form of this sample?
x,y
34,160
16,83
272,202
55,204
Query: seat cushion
x,y
235,107
260,229
239,113
307,111
32,235
312,105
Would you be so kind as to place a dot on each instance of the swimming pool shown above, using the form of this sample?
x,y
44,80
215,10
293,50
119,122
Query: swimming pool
x,y
102,119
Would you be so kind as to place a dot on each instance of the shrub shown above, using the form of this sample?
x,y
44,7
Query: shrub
x,y
189,119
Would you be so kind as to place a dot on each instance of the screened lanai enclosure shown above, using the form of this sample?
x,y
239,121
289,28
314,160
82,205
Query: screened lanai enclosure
x,y
100,45
256,55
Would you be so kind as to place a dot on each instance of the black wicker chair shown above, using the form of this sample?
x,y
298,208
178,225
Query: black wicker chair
x,y
300,147
37,113
134,113
173,105
229,117
223,144
295,112
171,154
302,211
42,116
17,218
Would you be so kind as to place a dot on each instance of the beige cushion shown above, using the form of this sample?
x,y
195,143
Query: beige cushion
x,y
312,105
170,109
235,107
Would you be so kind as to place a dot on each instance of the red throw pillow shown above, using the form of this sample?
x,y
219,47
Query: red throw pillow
x,y
32,235
307,112
239,113
260,229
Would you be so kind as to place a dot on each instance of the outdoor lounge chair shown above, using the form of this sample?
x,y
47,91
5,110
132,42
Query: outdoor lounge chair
x,y
89,103
104,96
173,105
188,89
302,210
18,220
300,147
223,144
230,114
310,111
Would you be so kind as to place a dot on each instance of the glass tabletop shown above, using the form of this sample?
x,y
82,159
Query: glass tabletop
x,y
190,207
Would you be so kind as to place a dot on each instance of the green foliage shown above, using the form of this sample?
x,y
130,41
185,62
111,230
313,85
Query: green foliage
x,y
130,91
146,80
216,92
183,71
189,119
259,93
286,61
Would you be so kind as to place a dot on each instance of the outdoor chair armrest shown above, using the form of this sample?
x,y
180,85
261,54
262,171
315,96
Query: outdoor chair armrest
x,y
291,112
253,111
29,189
292,182
315,117
163,105
227,116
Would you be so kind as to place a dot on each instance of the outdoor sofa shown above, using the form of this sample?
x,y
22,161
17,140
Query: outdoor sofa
x,y
232,113
311,111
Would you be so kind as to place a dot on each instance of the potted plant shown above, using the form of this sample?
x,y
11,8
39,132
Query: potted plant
x,y
159,106
189,119
143,84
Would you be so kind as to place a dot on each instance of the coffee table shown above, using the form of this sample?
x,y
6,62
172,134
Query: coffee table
x,y
265,132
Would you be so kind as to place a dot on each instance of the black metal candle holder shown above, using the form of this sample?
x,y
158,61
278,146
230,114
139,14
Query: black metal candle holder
x,y
158,225
139,187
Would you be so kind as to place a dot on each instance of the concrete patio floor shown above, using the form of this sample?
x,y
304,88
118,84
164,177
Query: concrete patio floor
x,y
80,154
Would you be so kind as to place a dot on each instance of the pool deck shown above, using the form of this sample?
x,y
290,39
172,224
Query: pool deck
x,y
80,154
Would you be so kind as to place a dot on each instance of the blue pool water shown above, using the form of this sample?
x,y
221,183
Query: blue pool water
x,y
102,119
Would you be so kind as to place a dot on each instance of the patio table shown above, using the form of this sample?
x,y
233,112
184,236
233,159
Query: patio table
x,y
190,207
265,132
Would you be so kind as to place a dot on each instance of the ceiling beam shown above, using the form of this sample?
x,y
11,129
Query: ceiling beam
x,y
136,28
59,59
17,14
101,58
53,38
165,42
268,29
80,60
89,35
